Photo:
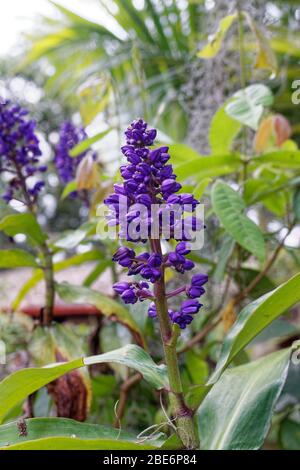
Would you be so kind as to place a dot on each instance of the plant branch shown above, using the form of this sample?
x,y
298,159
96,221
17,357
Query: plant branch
x,y
266,268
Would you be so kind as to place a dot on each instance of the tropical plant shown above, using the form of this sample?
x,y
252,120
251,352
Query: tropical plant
x,y
176,375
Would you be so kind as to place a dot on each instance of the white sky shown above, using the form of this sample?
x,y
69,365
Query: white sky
x,y
18,16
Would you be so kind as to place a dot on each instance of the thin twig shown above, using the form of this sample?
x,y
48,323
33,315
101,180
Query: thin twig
x,y
266,268
124,391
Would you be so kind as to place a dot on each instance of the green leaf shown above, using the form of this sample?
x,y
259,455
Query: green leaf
x,y
106,305
15,258
17,386
247,105
214,45
289,434
197,368
94,98
38,274
25,224
229,206
20,384
201,187
208,166
137,358
196,395
86,144
296,204
38,429
222,132
236,413
224,254
96,272
281,159
182,153
73,443
254,318
69,188
266,59
72,238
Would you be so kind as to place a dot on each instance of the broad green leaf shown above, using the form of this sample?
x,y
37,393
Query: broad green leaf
x,y
247,105
236,413
246,275
86,144
197,368
72,238
196,395
224,254
15,258
229,207
106,305
96,272
68,189
215,43
208,166
94,98
289,434
254,318
60,341
182,153
103,385
222,132
201,187
281,159
17,386
73,443
38,274
39,428
137,358
23,223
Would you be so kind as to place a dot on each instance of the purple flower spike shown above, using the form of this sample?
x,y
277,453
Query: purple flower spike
x,y
69,137
20,152
149,181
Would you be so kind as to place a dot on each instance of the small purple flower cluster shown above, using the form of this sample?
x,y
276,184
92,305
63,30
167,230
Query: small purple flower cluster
x,y
20,152
131,292
149,180
69,137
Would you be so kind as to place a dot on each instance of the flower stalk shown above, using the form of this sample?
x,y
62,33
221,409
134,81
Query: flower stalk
x,y
183,415
150,184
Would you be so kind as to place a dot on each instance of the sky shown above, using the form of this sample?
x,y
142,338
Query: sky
x,y
19,16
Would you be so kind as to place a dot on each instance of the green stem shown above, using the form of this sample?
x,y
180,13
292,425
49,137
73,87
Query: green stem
x,y
183,415
47,316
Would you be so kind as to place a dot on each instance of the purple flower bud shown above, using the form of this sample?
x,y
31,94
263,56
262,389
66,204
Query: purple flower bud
x,y
124,256
155,260
190,306
152,313
120,287
129,296
182,248
199,279
194,292
170,186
